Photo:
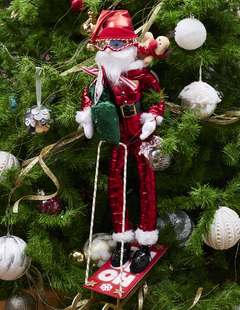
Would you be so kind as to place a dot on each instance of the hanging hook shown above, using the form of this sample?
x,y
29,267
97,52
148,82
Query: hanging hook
x,y
200,69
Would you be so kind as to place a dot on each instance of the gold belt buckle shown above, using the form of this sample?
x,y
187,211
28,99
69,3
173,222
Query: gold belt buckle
x,y
134,111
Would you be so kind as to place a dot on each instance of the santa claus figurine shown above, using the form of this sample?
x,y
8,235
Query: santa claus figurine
x,y
125,79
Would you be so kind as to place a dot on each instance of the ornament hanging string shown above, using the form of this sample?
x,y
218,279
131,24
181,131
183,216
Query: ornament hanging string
x,y
46,153
38,87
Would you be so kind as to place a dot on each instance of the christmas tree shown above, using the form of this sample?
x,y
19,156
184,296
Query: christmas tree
x,y
44,44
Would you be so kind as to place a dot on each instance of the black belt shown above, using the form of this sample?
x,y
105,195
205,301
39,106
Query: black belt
x,y
129,110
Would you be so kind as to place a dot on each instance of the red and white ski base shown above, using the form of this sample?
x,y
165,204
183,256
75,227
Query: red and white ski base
x,y
107,279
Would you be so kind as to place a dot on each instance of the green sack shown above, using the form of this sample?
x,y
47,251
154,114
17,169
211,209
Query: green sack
x,y
105,118
106,122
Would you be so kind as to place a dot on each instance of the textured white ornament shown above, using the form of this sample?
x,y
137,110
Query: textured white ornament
x,y
14,263
102,248
199,98
190,33
225,229
7,161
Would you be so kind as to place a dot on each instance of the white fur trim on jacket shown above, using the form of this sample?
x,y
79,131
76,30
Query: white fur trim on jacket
x,y
128,236
146,237
85,119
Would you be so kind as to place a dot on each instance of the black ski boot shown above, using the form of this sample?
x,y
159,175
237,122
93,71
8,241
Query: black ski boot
x,y
141,259
115,261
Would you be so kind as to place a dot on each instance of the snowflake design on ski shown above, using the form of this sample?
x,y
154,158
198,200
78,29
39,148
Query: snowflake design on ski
x,y
106,287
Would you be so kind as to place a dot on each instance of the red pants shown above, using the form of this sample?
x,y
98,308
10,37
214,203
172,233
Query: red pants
x,y
131,128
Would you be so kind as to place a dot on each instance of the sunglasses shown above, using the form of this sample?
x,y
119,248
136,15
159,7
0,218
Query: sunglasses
x,y
114,45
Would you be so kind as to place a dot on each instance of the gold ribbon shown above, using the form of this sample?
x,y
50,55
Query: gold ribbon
x,y
142,294
197,297
227,118
45,153
39,288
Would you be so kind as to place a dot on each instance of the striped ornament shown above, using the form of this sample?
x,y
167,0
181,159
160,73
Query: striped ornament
x,y
14,263
7,161
225,229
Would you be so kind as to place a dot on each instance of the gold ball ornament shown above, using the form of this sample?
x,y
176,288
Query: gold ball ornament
x,y
77,258
88,26
7,161
225,229
101,250
90,47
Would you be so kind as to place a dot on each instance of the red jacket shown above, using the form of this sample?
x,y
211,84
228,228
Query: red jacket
x,y
122,94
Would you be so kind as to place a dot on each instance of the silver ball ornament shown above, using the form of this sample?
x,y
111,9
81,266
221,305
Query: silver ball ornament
x,y
14,263
181,222
101,250
157,161
22,301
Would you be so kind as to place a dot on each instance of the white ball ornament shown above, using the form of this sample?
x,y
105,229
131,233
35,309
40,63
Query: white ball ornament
x,y
7,161
101,250
14,263
199,98
190,33
225,229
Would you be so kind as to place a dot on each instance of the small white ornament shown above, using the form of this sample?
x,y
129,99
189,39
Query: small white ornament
x,y
225,229
199,98
14,263
190,33
7,161
101,250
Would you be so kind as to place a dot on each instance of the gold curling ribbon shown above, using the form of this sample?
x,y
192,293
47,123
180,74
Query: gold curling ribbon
x,y
46,153
229,117
39,288
142,294
197,297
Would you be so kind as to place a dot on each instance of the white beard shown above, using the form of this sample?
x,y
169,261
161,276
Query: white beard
x,y
117,63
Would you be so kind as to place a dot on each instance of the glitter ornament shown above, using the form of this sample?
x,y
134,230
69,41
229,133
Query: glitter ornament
x,y
181,222
190,33
77,5
22,301
153,152
14,263
77,258
50,206
101,250
37,119
7,161
158,162
199,98
88,26
225,229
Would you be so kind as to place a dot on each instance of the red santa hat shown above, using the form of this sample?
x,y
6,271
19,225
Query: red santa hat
x,y
117,25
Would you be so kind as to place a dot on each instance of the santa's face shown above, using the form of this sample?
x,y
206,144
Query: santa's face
x,y
116,63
